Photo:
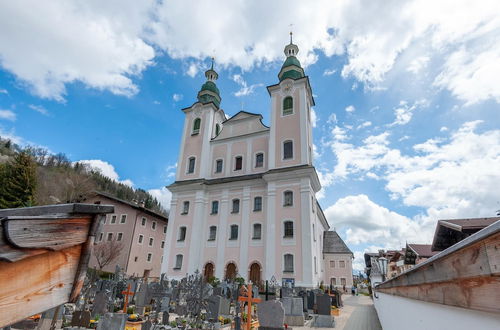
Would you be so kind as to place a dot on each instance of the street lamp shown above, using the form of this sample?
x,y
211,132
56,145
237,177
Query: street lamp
x,y
382,265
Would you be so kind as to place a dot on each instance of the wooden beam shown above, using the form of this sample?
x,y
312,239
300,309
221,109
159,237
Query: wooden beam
x,y
37,283
74,208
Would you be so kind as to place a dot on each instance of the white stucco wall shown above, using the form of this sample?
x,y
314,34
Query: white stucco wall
x,y
397,313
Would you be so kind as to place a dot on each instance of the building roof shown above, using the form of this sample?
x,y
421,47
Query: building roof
x,y
452,231
135,206
333,243
422,250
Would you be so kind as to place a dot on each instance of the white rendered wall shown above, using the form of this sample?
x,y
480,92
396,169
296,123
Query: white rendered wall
x,y
396,313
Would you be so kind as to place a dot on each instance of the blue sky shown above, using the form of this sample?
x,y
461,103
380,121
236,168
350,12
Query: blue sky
x,y
407,96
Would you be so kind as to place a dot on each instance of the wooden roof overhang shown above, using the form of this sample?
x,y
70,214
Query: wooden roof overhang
x,y
44,254
465,275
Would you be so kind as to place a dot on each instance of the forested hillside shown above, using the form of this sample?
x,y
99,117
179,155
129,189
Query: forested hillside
x,y
33,176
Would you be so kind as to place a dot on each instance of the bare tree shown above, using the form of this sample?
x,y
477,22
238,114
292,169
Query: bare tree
x,y
106,252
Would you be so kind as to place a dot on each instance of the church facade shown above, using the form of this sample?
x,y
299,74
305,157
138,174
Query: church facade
x,y
243,203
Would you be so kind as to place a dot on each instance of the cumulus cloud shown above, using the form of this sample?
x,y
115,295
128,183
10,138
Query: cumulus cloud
x,y
364,124
7,115
163,195
3,91
106,169
329,72
404,112
350,108
314,118
192,70
244,88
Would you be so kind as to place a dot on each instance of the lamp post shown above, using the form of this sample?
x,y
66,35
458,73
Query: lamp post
x,y
382,265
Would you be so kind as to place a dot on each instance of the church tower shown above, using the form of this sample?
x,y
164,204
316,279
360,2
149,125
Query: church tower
x,y
291,101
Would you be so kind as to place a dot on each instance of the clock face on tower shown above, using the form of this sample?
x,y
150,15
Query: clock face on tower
x,y
287,88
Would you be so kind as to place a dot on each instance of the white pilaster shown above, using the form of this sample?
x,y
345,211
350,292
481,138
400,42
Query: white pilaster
x,y
197,227
303,127
205,165
245,233
270,234
169,237
272,135
307,244
221,235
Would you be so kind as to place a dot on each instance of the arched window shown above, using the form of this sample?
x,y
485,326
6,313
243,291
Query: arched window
x,y
259,160
178,261
212,233
257,204
196,126
257,231
182,234
233,235
287,106
288,229
288,263
191,163
288,149
236,206
288,198
185,208
217,129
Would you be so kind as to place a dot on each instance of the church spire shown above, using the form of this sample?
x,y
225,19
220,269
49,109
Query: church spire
x,y
291,68
209,91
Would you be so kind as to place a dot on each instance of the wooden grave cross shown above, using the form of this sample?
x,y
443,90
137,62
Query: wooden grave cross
x,y
249,300
126,293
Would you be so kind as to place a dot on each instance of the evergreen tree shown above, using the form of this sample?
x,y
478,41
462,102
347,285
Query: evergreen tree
x,y
18,182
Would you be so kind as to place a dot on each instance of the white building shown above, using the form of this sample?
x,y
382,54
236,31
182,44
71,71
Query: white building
x,y
243,202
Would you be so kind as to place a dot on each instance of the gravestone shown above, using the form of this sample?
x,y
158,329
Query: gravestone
x,y
286,292
147,325
165,317
294,314
53,314
324,303
142,297
271,315
99,306
115,321
81,319
217,306
303,294
218,291
164,304
310,300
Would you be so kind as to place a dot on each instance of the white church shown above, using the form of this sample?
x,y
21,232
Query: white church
x,y
243,202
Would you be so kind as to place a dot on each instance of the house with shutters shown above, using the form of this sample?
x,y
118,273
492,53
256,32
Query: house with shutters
x,y
243,201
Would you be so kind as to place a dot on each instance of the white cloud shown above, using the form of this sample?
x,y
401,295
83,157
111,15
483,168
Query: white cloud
x,y
329,72
418,64
163,195
404,112
366,222
106,169
156,102
350,108
39,109
443,129
364,124
11,135
177,97
332,119
428,179
7,115
3,91
244,88
193,70
314,118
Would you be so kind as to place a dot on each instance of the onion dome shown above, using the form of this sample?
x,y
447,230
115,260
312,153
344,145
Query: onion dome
x,y
209,91
291,68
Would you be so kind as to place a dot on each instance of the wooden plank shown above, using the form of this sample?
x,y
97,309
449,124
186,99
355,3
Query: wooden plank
x,y
492,247
11,254
49,233
35,284
480,293
74,208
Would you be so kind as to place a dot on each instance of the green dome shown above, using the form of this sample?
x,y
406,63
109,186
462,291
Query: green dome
x,y
210,86
294,74
291,60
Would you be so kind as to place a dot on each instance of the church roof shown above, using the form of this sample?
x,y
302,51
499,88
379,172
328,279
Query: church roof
x,y
332,243
210,86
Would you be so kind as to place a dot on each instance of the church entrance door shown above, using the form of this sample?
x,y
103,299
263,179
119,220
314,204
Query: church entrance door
x,y
209,271
254,275
231,271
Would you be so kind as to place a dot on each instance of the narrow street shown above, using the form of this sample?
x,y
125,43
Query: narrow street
x,y
358,313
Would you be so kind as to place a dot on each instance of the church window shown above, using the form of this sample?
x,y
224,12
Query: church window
x,y
288,229
215,207
212,233
257,204
123,218
259,160
288,263
113,219
236,206
143,221
234,232
342,264
287,150
196,126
218,166
217,129
178,261
238,163
185,208
288,198
257,231
182,234
287,106
191,164
153,225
